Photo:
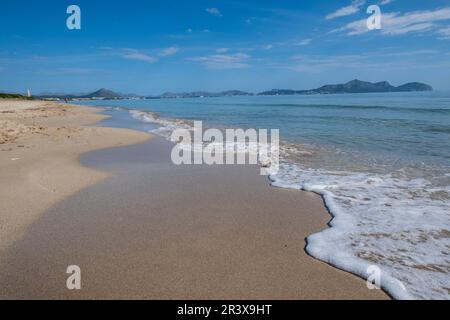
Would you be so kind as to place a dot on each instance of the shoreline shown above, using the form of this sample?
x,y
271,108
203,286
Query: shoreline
x,y
250,235
40,142
389,286
352,242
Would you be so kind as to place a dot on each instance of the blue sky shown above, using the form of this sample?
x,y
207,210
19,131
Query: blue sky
x,y
148,47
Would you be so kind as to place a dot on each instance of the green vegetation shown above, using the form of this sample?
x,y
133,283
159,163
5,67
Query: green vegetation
x,y
14,96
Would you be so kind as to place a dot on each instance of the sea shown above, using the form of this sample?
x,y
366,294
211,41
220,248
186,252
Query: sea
x,y
380,161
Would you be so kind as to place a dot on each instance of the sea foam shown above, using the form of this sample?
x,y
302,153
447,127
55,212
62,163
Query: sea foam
x,y
398,225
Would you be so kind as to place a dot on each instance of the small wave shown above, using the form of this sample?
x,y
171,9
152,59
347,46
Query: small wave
x,y
396,224
352,107
166,126
438,129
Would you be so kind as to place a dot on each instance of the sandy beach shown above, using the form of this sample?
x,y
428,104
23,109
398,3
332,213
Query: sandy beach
x,y
40,143
140,227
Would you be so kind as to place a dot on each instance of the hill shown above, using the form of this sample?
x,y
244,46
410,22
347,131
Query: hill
x,y
354,86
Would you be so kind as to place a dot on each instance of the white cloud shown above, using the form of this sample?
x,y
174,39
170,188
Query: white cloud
x,y
189,30
214,12
131,54
385,2
403,60
445,32
268,46
303,42
223,61
138,55
412,28
397,23
346,11
169,51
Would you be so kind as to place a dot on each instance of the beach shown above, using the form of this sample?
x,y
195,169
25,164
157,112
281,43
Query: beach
x,y
40,144
139,226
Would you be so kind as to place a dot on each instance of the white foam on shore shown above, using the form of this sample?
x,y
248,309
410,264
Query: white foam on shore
x,y
397,223
402,226
166,126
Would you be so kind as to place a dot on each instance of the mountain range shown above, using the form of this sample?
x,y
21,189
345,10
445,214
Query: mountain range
x,y
354,86
99,94
204,94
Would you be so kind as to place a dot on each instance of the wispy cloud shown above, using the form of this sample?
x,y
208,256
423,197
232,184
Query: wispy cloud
x,y
152,57
303,42
354,7
444,32
223,61
397,23
214,11
403,60
132,54
169,51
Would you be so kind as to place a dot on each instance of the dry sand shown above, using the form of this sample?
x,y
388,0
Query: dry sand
x,y
40,145
157,231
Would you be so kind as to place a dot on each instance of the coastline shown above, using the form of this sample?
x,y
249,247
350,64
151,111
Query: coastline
x,y
146,233
40,146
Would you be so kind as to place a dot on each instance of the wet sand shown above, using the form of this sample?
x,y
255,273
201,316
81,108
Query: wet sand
x,y
40,145
157,231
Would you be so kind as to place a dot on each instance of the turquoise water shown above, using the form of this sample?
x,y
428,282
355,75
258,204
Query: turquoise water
x,y
411,126
381,162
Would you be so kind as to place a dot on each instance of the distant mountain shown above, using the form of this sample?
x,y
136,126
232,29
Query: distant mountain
x,y
108,94
204,94
414,86
99,94
354,86
102,94
281,92
60,94
231,93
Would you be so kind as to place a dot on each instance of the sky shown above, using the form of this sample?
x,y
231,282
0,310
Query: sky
x,y
149,46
